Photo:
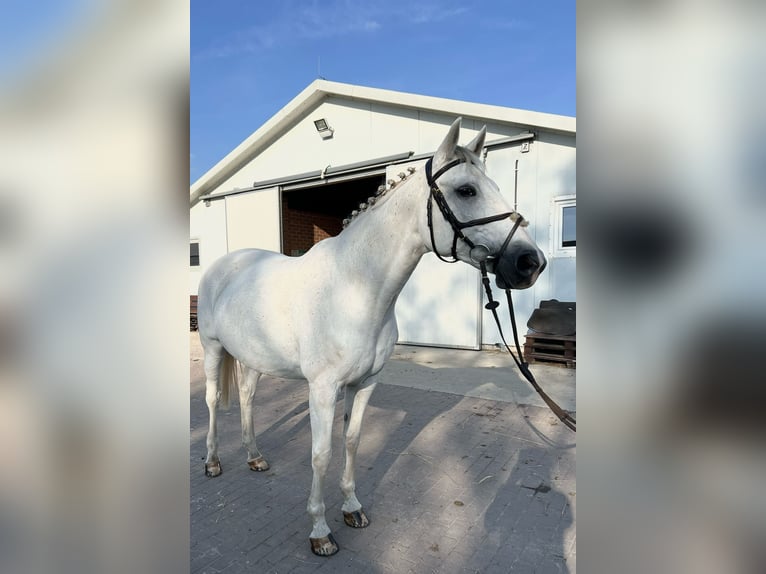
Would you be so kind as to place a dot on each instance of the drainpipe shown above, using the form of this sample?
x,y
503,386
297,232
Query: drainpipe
x,y
516,186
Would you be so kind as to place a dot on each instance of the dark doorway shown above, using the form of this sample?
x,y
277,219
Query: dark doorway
x,y
312,214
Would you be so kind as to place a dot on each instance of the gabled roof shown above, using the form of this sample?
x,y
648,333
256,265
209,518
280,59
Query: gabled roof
x,y
320,89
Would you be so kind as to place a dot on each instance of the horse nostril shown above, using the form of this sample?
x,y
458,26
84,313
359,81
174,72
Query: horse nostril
x,y
527,263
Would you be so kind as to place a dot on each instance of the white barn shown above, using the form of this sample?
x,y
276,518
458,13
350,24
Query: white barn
x,y
294,179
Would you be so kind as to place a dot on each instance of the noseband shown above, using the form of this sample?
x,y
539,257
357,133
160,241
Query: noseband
x,y
458,226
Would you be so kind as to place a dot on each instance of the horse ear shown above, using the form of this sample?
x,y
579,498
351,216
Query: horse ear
x,y
477,143
446,150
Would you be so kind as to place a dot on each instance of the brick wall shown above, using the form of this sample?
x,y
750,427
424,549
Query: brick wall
x,y
301,229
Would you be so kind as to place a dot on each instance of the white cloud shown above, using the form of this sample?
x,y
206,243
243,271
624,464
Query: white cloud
x,y
303,19
427,13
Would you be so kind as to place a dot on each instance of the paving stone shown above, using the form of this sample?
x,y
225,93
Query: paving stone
x,y
421,452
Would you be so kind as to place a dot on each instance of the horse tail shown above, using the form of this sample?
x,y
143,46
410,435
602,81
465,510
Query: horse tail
x,y
229,377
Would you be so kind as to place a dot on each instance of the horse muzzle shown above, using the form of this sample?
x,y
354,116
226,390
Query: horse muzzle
x,y
519,269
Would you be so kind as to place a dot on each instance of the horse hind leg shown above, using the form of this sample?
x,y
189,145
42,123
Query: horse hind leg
x,y
214,355
355,405
246,393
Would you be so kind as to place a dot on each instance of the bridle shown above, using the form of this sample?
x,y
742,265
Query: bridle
x,y
480,254
437,196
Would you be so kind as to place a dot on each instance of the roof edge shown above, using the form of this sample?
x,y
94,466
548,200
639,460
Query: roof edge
x,y
545,121
258,140
319,89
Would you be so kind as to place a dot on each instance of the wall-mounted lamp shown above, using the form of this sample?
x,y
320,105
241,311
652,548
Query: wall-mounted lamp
x,y
325,131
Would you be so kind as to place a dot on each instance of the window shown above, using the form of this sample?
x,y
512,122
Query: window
x,y
194,253
568,226
564,226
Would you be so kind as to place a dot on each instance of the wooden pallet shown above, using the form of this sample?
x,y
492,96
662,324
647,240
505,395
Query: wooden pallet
x,y
193,314
553,348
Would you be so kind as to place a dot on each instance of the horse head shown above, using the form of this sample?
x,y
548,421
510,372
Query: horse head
x,y
469,219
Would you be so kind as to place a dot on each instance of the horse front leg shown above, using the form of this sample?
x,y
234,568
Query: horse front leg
x,y
322,396
355,405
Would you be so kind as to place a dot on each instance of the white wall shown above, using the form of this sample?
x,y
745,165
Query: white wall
x,y
439,305
545,171
556,177
254,220
363,131
208,225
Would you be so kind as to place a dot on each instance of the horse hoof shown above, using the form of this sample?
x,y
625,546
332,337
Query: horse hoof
x,y
356,519
324,546
213,468
258,464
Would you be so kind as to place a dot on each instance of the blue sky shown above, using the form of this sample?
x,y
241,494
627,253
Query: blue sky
x,y
249,58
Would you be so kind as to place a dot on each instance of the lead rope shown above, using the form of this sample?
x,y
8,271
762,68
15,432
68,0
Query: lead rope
x,y
492,305
457,228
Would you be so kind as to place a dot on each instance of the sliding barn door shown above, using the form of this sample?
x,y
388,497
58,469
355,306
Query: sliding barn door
x,y
440,304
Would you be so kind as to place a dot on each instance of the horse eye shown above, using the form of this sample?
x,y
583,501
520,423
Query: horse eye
x,y
466,191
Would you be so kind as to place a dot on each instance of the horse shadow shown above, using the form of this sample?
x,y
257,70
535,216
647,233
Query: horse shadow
x,y
457,487
530,517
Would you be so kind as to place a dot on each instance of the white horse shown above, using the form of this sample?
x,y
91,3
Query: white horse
x,y
328,316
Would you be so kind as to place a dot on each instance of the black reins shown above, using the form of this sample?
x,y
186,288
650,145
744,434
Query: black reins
x,y
523,366
437,196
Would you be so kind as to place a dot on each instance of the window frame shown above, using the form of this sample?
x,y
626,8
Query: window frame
x,y
557,226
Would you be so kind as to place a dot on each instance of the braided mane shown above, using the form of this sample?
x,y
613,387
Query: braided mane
x,y
379,197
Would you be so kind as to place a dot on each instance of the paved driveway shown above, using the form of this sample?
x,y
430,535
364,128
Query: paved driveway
x,y
451,483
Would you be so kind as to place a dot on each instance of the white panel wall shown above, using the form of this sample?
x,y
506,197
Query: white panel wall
x,y
501,164
562,273
399,126
545,171
556,177
208,225
439,305
254,220
362,131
